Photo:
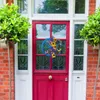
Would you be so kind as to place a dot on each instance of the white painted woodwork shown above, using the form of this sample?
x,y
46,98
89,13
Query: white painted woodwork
x,y
97,3
22,90
78,87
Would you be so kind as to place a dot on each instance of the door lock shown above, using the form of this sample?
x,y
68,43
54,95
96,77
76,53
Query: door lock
x,y
66,79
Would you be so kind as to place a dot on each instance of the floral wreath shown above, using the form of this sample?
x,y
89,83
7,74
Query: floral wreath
x,y
51,47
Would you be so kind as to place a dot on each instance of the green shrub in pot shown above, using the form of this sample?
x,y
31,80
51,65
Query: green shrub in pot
x,y
91,33
13,26
91,30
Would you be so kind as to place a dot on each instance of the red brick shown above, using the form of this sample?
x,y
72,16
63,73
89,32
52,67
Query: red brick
x,y
4,74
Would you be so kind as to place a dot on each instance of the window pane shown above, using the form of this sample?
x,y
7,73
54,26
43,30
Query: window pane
x,y
78,47
51,6
78,62
79,6
58,63
38,46
78,27
42,62
42,30
59,31
22,6
22,62
23,47
63,47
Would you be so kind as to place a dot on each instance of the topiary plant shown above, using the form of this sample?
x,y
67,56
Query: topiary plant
x,y
13,26
91,30
91,33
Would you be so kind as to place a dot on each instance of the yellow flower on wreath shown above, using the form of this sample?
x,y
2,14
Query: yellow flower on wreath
x,y
53,44
53,55
54,40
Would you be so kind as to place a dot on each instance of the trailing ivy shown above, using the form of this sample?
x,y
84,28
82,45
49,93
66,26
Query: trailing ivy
x,y
91,30
13,26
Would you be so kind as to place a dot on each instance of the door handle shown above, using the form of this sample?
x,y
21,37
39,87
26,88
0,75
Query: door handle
x,y
50,77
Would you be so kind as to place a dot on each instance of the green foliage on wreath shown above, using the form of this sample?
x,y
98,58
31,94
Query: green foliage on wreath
x,y
13,26
91,30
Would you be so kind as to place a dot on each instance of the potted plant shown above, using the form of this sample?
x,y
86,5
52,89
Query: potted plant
x,y
91,33
91,30
13,27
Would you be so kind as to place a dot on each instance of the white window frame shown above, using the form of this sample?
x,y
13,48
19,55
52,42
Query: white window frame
x,y
71,60
71,11
49,16
28,14
16,54
84,51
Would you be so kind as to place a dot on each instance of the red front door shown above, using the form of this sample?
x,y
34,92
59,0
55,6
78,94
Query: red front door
x,y
50,76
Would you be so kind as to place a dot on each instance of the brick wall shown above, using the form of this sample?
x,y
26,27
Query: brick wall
x,y
9,1
92,5
4,74
92,64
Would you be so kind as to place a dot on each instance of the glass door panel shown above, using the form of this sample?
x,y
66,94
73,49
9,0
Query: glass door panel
x,y
43,31
59,31
51,6
42,63
59,63
47,30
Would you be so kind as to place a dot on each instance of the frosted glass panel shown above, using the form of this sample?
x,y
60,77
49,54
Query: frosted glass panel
x,y
59,31
43,31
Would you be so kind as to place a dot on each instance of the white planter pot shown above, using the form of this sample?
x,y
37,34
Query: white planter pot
x,y
96,47
3,43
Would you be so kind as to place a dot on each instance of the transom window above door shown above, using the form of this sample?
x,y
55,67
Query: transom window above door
x,y
51,6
